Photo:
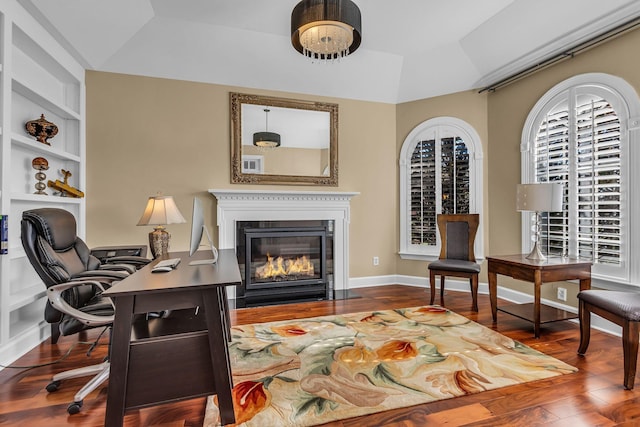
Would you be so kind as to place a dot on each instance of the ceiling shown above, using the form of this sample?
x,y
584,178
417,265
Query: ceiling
x,y
411,49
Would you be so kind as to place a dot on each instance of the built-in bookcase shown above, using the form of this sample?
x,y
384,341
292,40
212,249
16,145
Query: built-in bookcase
x,y
37,77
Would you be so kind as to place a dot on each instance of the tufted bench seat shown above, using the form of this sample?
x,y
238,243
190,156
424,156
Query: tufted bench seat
x,y
621,308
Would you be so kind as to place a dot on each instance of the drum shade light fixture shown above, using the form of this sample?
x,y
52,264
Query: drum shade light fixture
x,y
326,30
266,139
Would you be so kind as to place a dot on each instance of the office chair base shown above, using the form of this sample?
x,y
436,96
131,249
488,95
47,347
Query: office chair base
x,y
101,372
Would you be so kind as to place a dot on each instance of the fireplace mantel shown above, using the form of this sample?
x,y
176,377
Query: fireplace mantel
x,y
260,205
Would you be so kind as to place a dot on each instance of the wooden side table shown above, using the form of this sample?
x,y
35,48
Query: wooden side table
x,y
538,272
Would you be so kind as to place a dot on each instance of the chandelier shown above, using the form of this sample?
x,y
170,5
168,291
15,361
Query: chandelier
x,y
266,139
326,29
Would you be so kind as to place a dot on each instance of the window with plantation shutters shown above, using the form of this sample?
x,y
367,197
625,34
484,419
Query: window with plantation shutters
x,y
588,164
579,136
439,174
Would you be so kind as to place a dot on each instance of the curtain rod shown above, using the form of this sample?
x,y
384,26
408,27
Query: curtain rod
x,y
569,53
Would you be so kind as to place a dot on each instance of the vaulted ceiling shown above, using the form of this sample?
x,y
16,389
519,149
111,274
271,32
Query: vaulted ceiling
x,y
411,49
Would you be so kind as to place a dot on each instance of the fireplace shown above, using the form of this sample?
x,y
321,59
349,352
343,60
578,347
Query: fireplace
x,y
276,205
283,261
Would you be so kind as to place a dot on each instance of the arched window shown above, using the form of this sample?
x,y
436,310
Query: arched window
x,y
440,172
583,133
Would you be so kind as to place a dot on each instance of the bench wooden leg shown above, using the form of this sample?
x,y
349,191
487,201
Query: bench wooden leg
x,y
630,332
585,328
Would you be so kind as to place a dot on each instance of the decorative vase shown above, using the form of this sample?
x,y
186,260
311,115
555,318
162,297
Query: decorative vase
x,y
41,129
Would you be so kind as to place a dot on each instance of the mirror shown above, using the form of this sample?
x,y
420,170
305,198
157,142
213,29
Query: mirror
x,y
308,150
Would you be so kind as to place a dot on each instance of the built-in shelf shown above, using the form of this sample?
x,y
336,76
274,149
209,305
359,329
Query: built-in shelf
x,y
45,199
40,78
60,110
27,296
29,144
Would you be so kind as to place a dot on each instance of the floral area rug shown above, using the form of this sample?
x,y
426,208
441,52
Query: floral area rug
x,y
311,371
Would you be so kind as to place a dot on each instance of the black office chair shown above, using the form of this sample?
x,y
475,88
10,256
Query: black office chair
x,y
75,280
457,257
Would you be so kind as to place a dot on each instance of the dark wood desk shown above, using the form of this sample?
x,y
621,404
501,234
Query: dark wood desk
x,y
537,272
180,357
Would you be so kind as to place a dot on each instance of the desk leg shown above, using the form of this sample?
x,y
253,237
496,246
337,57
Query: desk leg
x,y
119,360
493,294
536,303
222,295
217,325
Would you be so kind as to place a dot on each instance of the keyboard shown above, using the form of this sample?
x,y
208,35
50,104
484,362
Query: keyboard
x,y
171,262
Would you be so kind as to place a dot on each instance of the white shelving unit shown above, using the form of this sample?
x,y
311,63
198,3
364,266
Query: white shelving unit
x,y
37,76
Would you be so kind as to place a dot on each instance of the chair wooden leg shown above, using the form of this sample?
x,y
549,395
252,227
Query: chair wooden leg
x,y
432,285
585,328
473,280
630,337
442,276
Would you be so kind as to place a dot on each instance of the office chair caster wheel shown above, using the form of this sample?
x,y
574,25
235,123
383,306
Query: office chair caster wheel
x,y
74,407
53,386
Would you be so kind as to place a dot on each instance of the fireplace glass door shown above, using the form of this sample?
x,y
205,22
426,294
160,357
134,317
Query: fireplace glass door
x,y
284,257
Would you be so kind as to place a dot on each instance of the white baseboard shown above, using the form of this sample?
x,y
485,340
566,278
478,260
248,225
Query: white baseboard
x,y
483,288
22,344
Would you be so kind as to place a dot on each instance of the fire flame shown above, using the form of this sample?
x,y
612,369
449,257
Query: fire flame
x,y
280,267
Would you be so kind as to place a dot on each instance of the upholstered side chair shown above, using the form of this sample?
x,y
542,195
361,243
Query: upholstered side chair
x,y
457,256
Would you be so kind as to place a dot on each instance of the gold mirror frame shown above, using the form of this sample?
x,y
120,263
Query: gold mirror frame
x,y
239,177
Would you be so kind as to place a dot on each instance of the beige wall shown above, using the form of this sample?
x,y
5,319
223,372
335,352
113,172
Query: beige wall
x,y
148,135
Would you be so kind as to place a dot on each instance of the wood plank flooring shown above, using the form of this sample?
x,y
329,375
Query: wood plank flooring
x,y
592,397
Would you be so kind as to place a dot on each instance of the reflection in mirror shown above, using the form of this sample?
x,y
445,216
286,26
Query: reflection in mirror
x,y
283,141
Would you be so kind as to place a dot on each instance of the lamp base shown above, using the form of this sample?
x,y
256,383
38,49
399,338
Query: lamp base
x,y
536,254
159,241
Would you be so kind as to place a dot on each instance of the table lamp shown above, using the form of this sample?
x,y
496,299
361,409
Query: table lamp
x,y
541,197
160,211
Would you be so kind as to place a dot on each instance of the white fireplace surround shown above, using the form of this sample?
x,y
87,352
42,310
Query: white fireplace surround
x,y
259,205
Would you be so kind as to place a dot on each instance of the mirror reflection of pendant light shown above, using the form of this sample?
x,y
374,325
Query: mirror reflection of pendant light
x,y
326,29
266,139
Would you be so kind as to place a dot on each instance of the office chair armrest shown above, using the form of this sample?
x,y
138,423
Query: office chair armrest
x,y
99,274
127,268
54,293
137,261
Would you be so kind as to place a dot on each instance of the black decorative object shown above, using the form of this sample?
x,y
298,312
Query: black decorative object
x,y
41,129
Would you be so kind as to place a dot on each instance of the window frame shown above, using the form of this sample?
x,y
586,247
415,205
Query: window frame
x,y
624,99
474,148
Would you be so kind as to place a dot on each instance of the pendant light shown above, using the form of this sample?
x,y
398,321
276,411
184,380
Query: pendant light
x,y
266,139
326,30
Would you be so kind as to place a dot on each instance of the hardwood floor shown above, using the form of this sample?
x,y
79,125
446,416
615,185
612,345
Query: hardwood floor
x,y
592,397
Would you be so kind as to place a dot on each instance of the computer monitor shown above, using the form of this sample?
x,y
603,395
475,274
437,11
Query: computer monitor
x,y
197,230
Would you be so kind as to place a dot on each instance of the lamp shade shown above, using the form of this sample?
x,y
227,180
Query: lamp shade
x,y
161,210
326,29
541,197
